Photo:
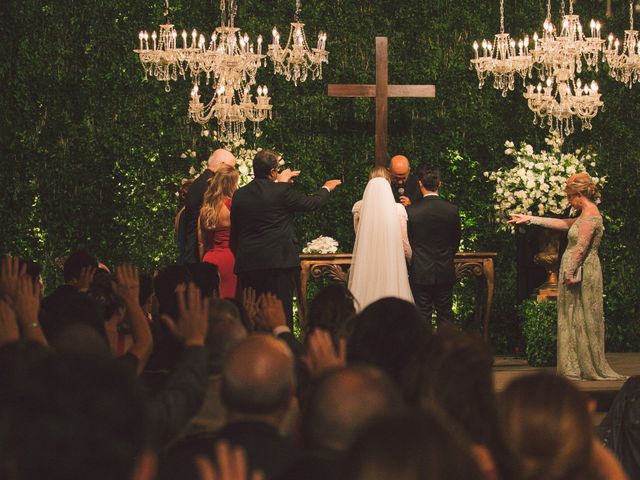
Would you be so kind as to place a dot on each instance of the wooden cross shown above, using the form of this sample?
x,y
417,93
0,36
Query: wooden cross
x,y
382,91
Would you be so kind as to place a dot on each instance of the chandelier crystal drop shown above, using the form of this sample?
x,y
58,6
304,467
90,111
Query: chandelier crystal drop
x,y
624,64
297,60
504,59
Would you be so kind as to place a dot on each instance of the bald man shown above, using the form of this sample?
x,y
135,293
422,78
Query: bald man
x,y
193,202
404,185
258,386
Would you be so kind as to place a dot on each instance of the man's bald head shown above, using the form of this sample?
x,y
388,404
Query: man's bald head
x,y
399,167
258,376
220,156
343,402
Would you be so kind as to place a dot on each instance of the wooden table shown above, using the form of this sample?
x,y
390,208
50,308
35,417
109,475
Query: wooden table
x,y
469,264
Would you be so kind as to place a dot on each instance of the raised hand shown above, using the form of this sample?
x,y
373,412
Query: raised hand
x,y
517,218
250,304
322,355
9,331
193,316
270,312
287,175
26,305
127,284
84,281
231,465
10,272
331,184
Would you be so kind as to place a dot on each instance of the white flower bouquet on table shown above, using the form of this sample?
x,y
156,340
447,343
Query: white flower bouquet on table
x,y
535,184
323,245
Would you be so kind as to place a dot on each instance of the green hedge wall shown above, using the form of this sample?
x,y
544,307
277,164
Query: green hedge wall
x,y
90,153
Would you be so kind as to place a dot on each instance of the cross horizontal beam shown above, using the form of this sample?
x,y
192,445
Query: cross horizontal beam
x,y
358,90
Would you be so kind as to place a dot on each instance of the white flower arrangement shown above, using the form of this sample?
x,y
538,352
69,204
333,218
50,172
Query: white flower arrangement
x,y
535,184
323,245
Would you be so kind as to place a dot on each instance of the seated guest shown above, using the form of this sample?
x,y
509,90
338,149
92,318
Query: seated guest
x,y
408,448
451,369
329,309
207,277
386,334
619,428
549,425
341,404
258,386
87,406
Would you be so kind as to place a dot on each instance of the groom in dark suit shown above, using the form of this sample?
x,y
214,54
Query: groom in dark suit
x,y
263,238
434,235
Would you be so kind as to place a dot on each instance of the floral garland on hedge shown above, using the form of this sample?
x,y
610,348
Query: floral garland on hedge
x,y
535,184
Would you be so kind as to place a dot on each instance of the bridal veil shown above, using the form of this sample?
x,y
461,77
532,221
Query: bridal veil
x,y
378,266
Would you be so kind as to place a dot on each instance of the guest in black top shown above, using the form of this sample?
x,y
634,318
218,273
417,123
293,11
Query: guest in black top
x,y
263,239
404,185
434,234
193,202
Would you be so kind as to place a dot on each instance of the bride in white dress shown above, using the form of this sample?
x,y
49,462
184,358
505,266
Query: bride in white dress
x,y
381,250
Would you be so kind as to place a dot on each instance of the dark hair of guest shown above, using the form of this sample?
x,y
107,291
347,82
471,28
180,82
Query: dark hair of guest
x,y
264,162
548,424
410,447
429,177
387,334
330,308
76,262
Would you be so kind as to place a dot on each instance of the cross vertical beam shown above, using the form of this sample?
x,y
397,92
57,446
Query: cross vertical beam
x,y
382,91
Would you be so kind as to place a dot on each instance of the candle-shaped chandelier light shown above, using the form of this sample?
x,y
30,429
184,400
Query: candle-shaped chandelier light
x,y
624,64
297,60
504,59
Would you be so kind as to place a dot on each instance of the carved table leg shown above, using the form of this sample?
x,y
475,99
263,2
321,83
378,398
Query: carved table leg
x,y
305,271
489,275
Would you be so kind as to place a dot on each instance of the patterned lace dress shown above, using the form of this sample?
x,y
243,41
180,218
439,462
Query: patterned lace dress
x,y
580,309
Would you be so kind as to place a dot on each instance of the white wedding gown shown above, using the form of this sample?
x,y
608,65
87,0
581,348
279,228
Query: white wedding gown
x,y
379,267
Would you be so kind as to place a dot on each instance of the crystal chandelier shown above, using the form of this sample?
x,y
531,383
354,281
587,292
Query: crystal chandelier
x,y
567,50
161,59
296,60
558,58
624,65
228,63
555,104
502,59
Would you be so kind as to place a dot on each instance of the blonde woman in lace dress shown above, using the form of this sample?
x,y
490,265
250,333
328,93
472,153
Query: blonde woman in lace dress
x,y
580,308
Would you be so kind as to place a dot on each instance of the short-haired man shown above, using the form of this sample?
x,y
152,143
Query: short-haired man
x,y
263,237
258,388
434,234
193,202
403,184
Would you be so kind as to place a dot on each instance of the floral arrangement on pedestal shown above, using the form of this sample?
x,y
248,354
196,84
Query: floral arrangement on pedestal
x,y
322,245
535,184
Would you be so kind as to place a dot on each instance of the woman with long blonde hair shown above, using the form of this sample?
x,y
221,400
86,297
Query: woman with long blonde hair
x,y
580,308
214,226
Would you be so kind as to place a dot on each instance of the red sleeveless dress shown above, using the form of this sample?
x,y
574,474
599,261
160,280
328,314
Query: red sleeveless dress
x,y
221,255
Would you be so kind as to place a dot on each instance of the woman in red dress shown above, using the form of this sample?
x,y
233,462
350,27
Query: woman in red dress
x,y
214,226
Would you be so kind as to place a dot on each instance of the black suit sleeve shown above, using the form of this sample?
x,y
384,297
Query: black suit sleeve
x,y
298,202
457,233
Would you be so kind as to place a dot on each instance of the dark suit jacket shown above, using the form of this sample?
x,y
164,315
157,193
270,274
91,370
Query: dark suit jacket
x,y
434,235
262,230
193,202
411,190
